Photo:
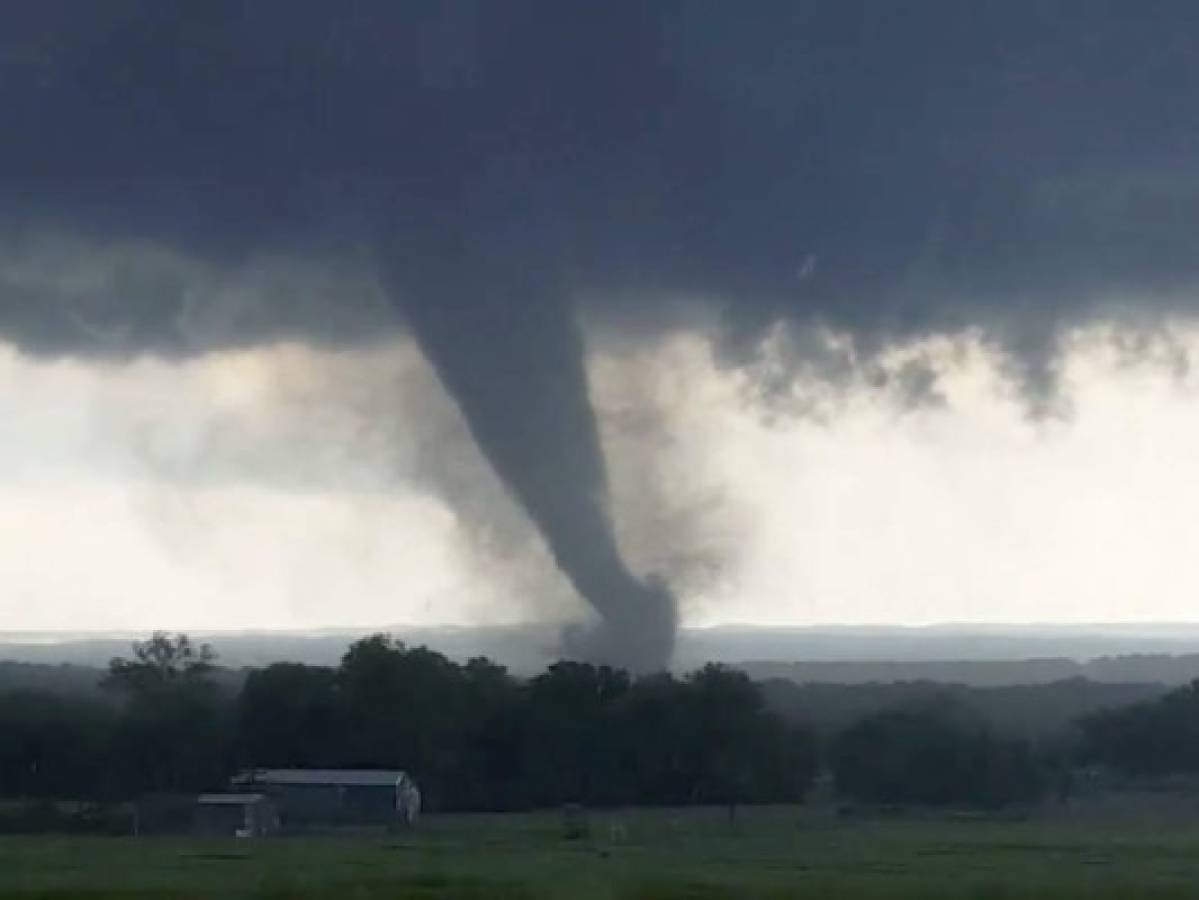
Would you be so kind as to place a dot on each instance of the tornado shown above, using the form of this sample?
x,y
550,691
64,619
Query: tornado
x,y
506,344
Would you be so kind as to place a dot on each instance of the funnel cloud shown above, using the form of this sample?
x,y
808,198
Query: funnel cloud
x,y
507,346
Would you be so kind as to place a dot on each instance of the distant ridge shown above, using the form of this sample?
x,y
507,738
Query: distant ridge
x,y
965,654
1165,669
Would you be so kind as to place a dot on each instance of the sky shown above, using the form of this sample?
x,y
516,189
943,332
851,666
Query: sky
x,y
463,312
242,489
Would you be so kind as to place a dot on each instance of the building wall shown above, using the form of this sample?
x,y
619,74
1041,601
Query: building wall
x,y
306,806
228,819
223,820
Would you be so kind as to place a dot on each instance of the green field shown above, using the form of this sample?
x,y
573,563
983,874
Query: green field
x,y
641,855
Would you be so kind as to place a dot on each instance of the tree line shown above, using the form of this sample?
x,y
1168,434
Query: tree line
x,y
473,736
1150,738
169,720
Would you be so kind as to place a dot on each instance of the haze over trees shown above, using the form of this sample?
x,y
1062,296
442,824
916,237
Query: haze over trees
x,y
474,736
168,719
934,757
1153,737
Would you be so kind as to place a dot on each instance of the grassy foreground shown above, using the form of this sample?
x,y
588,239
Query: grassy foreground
x,y
774,852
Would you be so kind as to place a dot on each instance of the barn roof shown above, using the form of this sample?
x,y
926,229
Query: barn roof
x,y
230,799
340,777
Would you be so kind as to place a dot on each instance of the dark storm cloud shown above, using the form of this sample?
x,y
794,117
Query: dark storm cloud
x,y
886,170
889,169
63,294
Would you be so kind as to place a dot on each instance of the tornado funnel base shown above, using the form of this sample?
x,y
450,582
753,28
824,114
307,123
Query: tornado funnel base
x,y
638,634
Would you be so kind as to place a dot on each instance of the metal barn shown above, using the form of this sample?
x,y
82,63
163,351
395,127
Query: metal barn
x,y
309,799
240,815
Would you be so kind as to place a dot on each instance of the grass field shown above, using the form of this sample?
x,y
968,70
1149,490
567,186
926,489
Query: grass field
x,y
773,852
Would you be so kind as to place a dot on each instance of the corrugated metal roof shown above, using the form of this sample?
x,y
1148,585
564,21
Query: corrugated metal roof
x,y
230,799
339,777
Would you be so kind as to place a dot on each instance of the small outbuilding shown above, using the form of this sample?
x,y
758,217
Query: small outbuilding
x,y
240,815
326,798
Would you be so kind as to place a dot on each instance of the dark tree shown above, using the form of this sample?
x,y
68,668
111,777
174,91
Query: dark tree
x,y
571,740
175,730
938,757
1149,738
53,746
656,759
289,715
493,761
160,660
404,708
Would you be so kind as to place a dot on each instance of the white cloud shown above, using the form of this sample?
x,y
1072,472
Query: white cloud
x,y
292,486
